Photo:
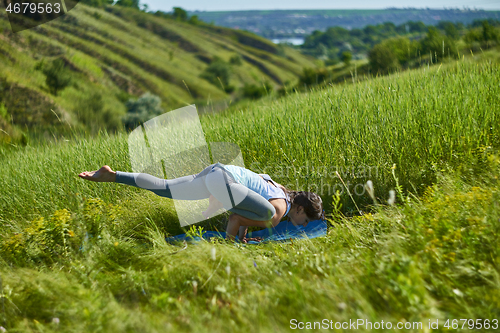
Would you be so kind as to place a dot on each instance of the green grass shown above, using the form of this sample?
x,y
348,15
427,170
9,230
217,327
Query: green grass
x,y
418,120
432,256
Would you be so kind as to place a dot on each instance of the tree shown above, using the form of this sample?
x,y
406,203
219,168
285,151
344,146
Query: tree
x,y
346,57
194,20
489,33
450,29
128,3
416,26
180,14
402,48
57,75
383,59
436,43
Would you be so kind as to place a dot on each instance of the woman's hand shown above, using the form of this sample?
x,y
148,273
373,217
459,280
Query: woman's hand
x,y
255,239
236,221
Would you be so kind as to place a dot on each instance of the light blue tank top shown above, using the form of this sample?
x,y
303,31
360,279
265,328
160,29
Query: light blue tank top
x,y
258,183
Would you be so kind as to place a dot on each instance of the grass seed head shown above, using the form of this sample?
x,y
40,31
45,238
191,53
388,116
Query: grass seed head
x,y
392,197
213,253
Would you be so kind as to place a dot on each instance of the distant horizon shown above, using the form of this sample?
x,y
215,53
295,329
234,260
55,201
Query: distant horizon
x,y
259,5
315,9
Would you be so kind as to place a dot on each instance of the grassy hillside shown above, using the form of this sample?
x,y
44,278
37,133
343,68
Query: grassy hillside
x,y
119,53
421,121
432,134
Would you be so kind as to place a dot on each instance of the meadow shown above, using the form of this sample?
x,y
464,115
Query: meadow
x,y
79,256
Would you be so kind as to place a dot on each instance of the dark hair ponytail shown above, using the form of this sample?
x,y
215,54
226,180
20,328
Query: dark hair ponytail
x,y
312,203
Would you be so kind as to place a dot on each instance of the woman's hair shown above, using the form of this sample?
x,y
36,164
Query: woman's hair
x,y
312,203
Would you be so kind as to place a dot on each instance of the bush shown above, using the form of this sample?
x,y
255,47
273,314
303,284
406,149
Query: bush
x,y
254,91
403,48
57,75
44,240
90,112
346,57
311,76
217,70
437,44
235,60
146,107
62,236
194,20
473,35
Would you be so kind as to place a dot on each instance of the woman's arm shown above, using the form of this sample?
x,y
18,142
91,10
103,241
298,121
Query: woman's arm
x,y
236,221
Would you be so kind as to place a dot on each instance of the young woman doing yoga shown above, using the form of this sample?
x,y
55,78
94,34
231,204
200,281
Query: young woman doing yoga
x,y
254,199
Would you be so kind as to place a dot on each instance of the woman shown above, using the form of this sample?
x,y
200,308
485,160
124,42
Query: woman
x,y
254,199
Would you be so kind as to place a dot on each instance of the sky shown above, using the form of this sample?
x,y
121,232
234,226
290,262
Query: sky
x,y
222,5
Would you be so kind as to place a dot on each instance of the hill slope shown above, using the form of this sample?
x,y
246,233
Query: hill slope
x,y
119,53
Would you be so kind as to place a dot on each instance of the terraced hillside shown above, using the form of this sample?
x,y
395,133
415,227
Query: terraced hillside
x,y
118,53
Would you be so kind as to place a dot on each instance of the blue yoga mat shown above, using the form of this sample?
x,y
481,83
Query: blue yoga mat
x,y
284,231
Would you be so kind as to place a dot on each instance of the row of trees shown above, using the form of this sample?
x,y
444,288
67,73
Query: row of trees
x,y
331,44
438,42
436,45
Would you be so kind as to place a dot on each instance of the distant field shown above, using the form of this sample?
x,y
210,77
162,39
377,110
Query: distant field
x,y
293,13
88,257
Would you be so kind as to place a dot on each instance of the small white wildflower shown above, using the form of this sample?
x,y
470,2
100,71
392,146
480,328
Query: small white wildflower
x,y
458,292
55,321
2,329
213,252
392,197
228,269
342,306
370,190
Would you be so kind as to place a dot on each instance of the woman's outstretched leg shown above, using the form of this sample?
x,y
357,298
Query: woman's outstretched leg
x,y
213,182
184,188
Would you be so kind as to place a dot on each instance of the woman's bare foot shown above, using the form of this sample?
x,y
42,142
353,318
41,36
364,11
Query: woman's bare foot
x,y
104,174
